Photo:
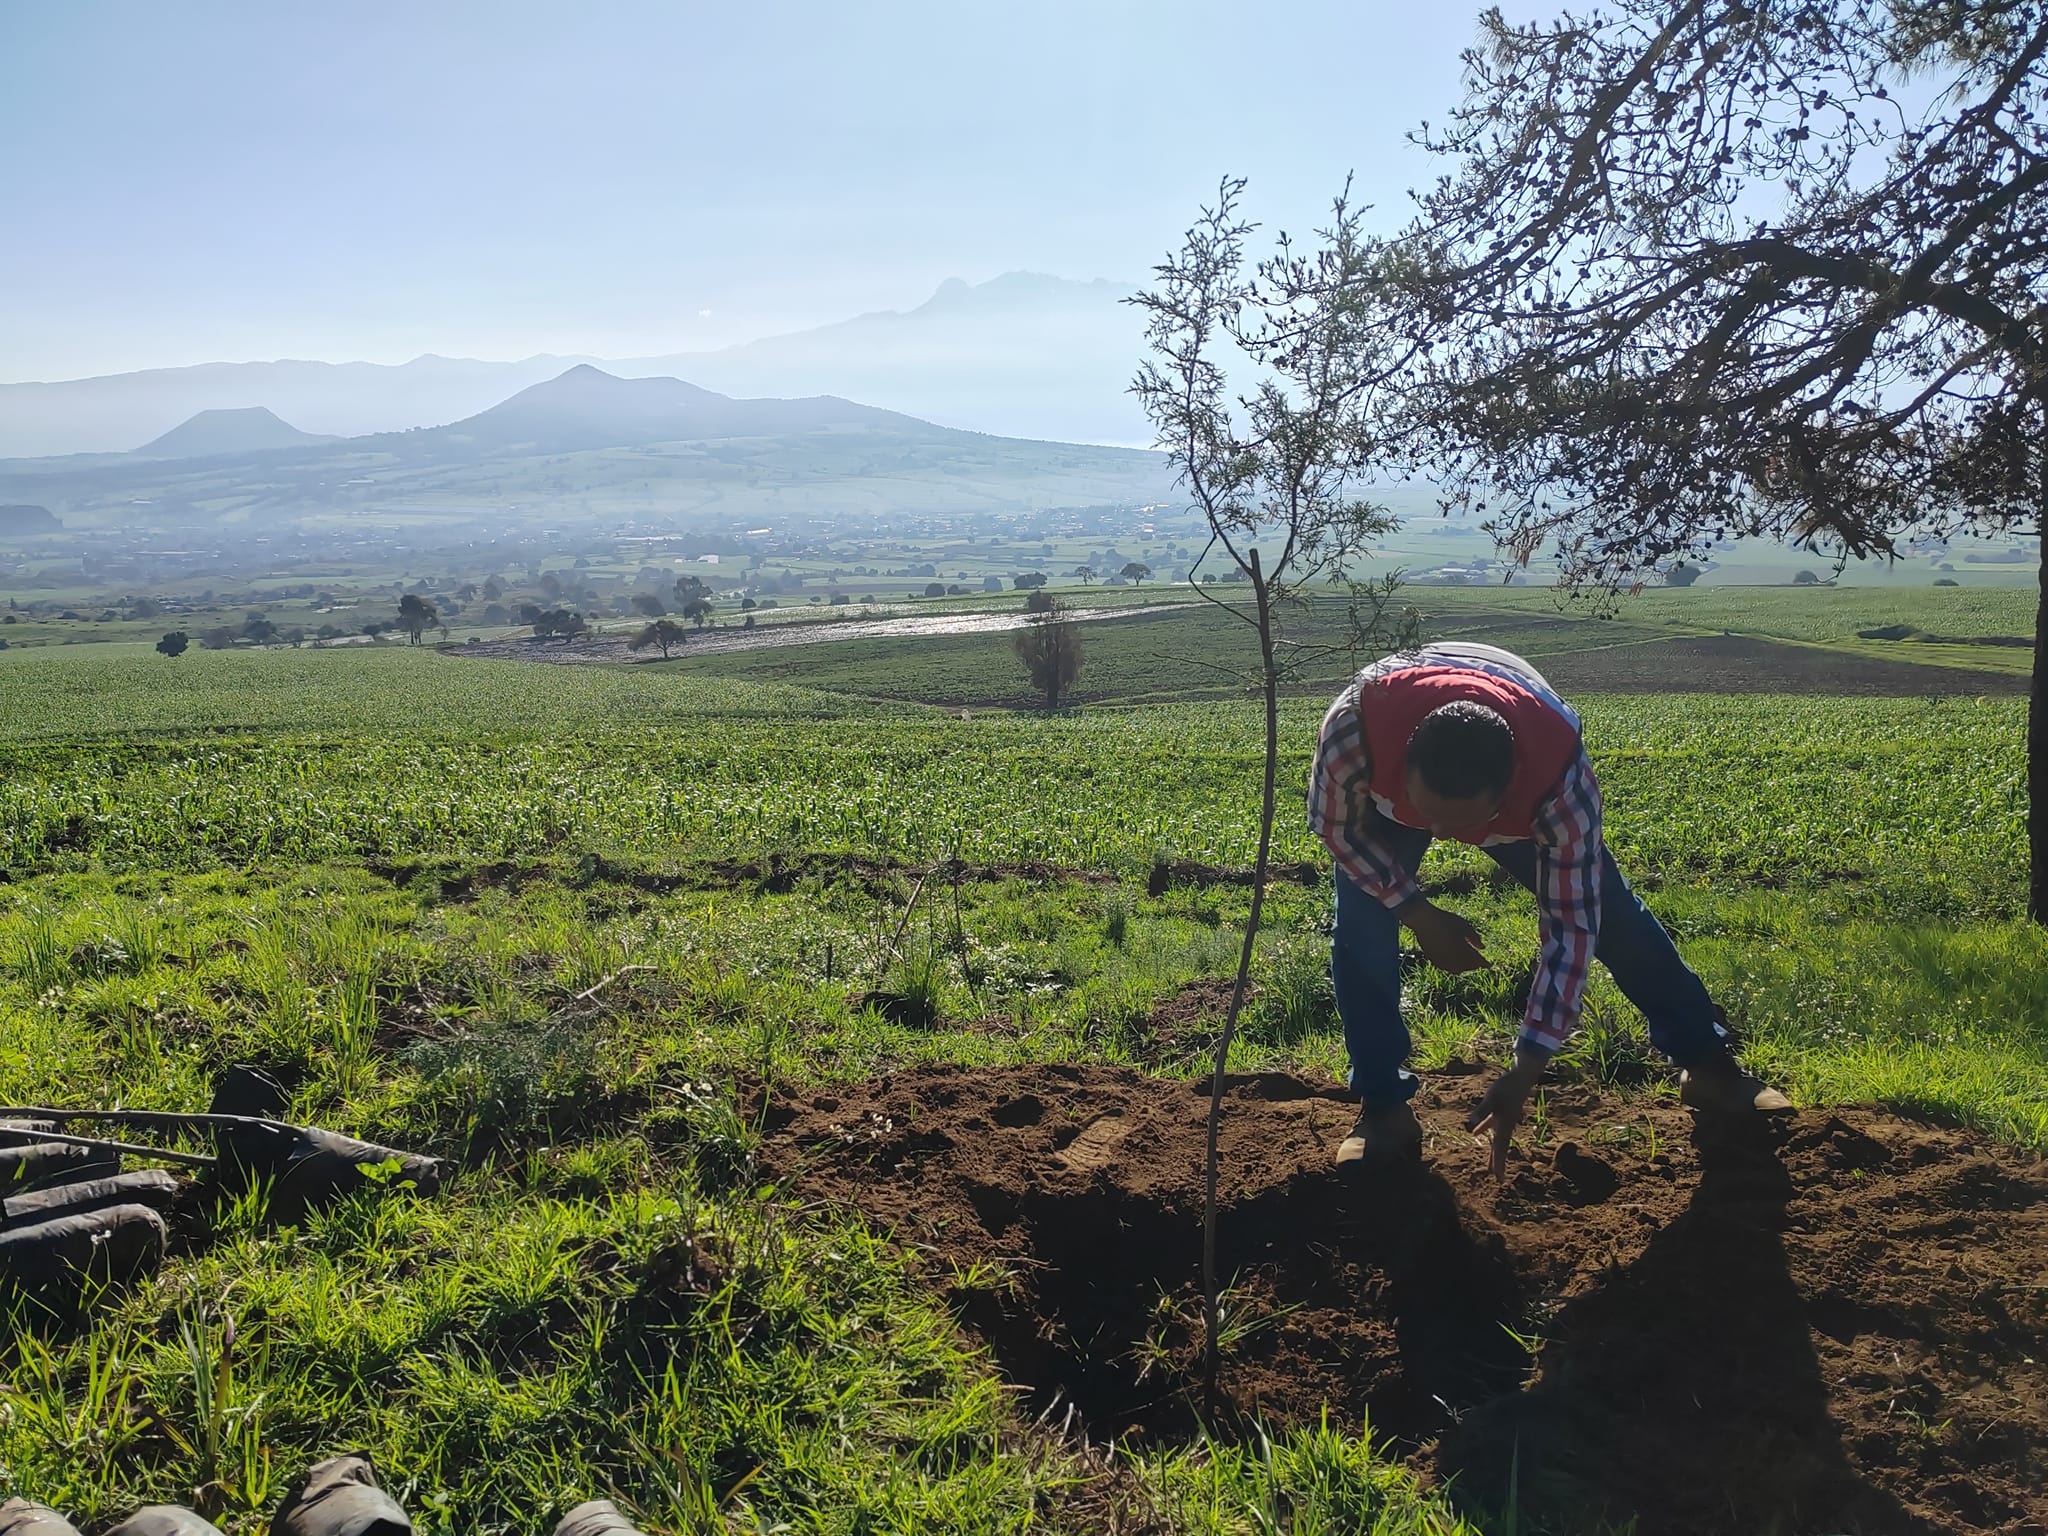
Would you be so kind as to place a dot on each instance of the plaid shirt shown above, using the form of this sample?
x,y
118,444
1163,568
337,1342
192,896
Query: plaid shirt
x,y
1565,829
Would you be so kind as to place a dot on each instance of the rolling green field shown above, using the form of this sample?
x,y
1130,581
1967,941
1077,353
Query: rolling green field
x,y
1190,652
392,875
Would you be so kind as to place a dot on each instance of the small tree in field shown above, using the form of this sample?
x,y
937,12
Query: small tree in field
x,y
662,632
561,623
175,643
1050,648
1136,572
416,616
693,599
1276,472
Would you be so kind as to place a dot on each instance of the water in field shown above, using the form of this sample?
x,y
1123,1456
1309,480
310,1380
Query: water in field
x,y
718,641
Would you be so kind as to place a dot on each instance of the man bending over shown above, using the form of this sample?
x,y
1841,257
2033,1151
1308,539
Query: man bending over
x,y
1469,742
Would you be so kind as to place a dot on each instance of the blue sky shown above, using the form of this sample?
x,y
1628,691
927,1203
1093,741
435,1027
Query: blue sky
x,y
200,181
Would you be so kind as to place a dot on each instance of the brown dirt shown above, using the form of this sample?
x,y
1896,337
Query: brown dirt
x,y
1741,664
1833,1321
778,873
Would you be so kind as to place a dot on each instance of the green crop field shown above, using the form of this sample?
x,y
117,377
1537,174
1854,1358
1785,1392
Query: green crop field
x,y
1190,651
394,875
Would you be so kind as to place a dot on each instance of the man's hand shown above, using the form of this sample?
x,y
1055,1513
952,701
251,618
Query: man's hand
x,y
1501,1108
1448,942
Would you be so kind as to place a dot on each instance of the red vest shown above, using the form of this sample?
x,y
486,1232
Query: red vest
x,y
1393,703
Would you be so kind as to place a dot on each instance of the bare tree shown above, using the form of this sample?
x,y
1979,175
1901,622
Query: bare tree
x,y
1276,473
1050,648
1699,271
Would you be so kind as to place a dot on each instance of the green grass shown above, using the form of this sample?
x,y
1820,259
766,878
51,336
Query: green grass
x,y
1901,806
390,874
130,691
606,1301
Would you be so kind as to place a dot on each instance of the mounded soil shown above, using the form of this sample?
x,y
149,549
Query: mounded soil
x,y
1834,1321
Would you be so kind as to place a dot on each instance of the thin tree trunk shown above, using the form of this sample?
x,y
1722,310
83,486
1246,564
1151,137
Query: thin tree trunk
x,y
2037,729
1210,1294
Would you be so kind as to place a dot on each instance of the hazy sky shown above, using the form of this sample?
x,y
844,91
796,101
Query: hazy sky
x,y
195,181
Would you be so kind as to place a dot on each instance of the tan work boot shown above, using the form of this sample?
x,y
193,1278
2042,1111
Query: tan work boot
x,y
1719,1086
1384,1135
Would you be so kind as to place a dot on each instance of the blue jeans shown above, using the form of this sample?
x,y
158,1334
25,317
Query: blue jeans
x,y
1365,965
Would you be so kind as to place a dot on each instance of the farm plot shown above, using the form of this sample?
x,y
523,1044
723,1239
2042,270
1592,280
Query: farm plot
x,y
1736,664
1906,805
1723,641
665,970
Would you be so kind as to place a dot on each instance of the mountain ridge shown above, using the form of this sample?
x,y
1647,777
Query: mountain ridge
x,y
227,430
1022,354
594,444
585,408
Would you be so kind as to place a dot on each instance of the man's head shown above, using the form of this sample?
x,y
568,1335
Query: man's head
x,y
1461,760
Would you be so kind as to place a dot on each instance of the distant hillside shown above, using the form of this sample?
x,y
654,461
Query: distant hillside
x,y
111,413
589,445
249,429
1023,355
26,519
587,408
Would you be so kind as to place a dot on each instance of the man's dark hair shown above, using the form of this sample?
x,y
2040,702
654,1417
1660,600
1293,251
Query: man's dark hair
x,y
1463,751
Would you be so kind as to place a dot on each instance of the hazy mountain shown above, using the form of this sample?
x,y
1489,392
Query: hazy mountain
x,y
587,444
586,408
1021,356
250,429
114,412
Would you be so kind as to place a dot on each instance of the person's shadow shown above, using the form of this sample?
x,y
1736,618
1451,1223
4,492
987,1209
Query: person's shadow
x,y
1682,1393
